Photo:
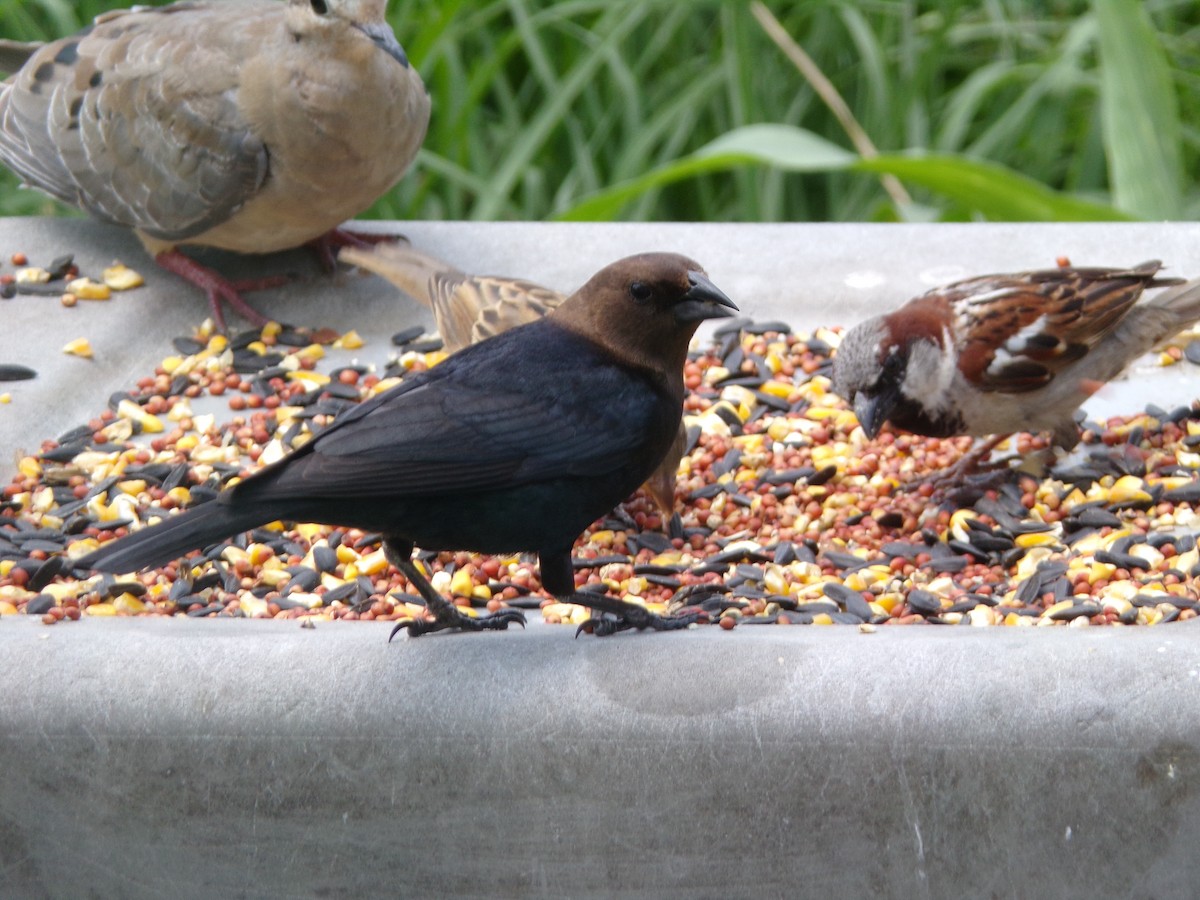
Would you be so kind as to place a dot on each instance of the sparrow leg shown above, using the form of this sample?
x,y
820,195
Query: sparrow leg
x,y
218,288
326,246
972,463
445,614
623,616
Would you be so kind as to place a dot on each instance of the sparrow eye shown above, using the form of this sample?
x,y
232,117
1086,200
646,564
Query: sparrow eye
x,y
893,365
640,291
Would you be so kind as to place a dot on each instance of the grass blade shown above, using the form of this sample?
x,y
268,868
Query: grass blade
x,y
1139,113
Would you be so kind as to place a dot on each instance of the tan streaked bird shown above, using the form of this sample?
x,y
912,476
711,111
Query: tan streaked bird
x,y
253,126
469,308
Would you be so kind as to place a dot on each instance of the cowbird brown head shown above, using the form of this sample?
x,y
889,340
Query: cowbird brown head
x,y
645,309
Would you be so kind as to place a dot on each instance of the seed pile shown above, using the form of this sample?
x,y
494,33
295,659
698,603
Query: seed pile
x,y
786,513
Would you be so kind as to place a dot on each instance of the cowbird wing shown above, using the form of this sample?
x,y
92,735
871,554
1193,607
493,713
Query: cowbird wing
x,y
533,404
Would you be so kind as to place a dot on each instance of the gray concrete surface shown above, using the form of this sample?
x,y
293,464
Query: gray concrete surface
x,y
150,758
258,759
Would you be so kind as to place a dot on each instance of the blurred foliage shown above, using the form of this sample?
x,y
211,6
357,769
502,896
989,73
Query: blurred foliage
x,y
651,109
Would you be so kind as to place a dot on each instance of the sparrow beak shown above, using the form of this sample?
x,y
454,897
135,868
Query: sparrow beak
x,y
704,300
872,412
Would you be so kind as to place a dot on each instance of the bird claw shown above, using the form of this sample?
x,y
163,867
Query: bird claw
x,y
641,619
497,621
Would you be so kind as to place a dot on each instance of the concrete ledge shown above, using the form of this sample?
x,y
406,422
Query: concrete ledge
x,y
259,759
144,758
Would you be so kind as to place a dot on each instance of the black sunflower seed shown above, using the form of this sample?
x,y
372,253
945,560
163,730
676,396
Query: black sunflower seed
x,y
14,372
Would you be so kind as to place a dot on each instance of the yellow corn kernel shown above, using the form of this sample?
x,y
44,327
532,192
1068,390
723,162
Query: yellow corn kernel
x,y
79,347
462,583
120,277
1128,488
86,289
372,563
32,275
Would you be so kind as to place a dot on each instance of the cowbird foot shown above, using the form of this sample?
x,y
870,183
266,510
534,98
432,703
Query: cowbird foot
x,y
498,621
326,246
445,614
219,289
618,615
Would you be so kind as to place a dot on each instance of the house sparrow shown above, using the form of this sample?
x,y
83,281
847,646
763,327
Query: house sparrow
x,y
1006,353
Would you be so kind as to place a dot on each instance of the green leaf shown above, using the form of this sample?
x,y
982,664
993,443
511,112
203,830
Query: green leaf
x,y
783,146
983,188
990,190
1139,113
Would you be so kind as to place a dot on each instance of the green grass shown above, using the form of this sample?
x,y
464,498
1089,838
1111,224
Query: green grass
x,y
1059,109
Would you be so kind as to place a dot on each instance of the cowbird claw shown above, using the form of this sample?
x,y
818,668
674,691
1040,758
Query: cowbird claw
x,y
498,621
605,625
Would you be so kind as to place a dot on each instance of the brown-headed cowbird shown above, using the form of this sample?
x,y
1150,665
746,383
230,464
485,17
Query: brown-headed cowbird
x,y
469,308
254,126
514,443
1005,353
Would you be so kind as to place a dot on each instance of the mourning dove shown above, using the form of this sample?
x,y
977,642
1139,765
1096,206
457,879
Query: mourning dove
x,y
471,308
253,126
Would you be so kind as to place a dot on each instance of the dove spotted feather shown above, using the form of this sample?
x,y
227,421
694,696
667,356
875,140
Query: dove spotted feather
x,y
469,308
253,126
515,443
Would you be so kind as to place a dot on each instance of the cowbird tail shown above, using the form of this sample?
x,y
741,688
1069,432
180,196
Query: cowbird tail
x,y
159,544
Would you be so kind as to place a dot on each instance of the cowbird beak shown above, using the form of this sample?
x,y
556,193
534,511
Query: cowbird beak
x,y
382,36
872,410
704,300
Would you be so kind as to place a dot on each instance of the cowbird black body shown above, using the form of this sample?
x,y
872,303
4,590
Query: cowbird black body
x,y
515,443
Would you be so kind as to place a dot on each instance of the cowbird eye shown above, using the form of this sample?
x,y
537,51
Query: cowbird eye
x,y
640,291
320,7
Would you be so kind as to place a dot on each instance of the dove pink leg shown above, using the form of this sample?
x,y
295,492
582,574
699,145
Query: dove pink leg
x,y
219,289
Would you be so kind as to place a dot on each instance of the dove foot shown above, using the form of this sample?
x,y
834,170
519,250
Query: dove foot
x,y
219,289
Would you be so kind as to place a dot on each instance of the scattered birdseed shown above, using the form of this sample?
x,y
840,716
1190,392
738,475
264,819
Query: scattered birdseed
x,y
13,372
79,347
787,514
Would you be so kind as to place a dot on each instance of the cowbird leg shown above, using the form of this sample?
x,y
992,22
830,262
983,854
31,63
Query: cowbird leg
x,y
616,614
624,616
218,288
445,614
